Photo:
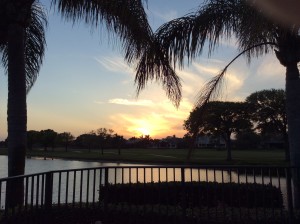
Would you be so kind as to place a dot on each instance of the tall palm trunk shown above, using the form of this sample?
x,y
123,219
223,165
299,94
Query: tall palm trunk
x,y
16,111
292,108
286,146
228,146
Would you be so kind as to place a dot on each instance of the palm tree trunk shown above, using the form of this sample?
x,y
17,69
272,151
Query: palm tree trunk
x,y
228,146
16,113
286,147
293,115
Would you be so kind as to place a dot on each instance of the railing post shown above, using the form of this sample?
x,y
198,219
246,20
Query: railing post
x,y
289,195
106,176
48,190
183,196
106,186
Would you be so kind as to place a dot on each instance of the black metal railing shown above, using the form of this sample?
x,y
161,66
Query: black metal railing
x,y
154,194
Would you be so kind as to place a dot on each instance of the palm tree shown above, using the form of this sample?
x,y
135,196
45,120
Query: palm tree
x,y
256,34
22,51
22,43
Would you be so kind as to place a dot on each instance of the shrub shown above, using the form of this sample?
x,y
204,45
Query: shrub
x,y
194,194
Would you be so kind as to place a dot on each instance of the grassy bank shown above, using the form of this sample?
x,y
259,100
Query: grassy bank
x,y
171,156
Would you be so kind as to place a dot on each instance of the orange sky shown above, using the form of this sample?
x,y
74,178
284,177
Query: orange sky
x,y
84,83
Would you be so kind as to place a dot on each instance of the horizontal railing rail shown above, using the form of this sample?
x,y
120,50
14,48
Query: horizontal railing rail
x,y
174,194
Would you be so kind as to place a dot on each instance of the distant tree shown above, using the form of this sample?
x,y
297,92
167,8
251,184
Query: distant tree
x,y
104,137
132,142
48,138
144,141
220,119
156,142
91,140
188,140
117,142
109,138
267,110
65,138
87,140
33,137
247,140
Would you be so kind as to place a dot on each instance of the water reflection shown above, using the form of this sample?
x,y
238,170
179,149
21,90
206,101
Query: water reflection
x,y
84,185
38,164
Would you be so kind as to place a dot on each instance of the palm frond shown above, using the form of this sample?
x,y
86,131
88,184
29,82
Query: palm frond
x,y
154,65
187,37
211,89
128,20
255,28
35,44
124,18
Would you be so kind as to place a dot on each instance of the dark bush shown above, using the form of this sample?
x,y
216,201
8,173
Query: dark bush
x,y
194,194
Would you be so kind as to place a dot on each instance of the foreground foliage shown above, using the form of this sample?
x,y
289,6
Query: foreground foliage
x,y
255,33
194,194
129,214
22,44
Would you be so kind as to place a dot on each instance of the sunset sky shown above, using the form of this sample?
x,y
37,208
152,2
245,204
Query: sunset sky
x,y
84,84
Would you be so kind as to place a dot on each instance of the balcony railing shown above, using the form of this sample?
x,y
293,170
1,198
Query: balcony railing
x,y
154,194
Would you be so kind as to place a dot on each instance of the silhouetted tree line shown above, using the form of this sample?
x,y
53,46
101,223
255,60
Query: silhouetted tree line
x,y
99,139
259,121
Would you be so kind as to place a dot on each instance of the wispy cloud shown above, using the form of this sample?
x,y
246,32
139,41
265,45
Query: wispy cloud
x,y
166,16
264,73
270,69
127,102
191,82
114,64
207,70
199,74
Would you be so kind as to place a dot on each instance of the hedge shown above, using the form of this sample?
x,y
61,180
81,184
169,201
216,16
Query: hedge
x,y
194,194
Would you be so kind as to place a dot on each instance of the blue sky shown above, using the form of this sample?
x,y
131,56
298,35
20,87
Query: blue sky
x,y
84,83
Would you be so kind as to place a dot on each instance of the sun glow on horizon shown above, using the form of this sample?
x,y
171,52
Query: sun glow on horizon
x,y
144,127
159,119
144,131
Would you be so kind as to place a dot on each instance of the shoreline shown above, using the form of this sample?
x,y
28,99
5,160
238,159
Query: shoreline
x,y
166,156
92,160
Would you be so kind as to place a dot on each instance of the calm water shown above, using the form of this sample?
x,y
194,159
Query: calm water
x,y
37,165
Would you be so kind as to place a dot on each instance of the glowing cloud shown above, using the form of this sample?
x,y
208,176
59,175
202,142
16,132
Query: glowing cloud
x,y
270,69
160,119
131,103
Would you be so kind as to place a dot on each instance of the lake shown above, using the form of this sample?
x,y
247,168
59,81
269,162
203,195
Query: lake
x,y
38,165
